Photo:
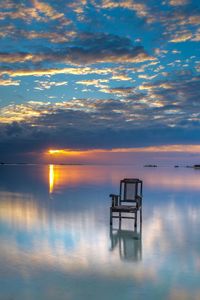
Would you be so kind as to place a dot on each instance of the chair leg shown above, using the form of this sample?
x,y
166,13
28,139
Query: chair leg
x,y
140,216
135,219
120,219
110,216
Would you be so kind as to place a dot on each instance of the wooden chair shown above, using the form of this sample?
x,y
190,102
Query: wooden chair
x,y
129,201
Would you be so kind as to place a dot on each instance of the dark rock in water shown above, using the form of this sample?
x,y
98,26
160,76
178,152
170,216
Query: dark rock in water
x,y
196,166
176,166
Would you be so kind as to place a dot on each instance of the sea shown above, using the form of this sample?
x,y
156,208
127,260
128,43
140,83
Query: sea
x,y
56,241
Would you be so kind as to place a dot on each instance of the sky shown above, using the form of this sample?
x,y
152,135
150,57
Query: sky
x,y
99,78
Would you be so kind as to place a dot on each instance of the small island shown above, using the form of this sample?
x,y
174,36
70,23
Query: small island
x,y
196,166
150,166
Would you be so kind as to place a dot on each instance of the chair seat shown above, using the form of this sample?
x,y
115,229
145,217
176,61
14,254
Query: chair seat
x,y
124,208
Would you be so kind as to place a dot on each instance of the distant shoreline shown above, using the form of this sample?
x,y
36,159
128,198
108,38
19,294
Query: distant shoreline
x,y
196,166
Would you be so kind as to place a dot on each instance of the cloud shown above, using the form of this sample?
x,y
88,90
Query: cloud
x,y
178,2
120,91
154,149
55,71
99,83
157,116
196,36
145,76
40,11
6,4
22,138
102,47
22,112
47,10
181,36
18,57
141,9
77,5
171,103
53,37
121,77
80,56
48,84
157,85
7,31
114,42
87,49
6,82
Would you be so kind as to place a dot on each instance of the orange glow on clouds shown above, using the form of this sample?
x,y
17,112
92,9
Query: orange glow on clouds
x,y
154,154
163,148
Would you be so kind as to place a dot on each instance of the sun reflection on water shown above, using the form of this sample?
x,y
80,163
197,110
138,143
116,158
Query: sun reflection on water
x,y
62,176
51,178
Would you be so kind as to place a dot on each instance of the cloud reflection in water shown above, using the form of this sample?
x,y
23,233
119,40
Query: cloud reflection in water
x,y
67,232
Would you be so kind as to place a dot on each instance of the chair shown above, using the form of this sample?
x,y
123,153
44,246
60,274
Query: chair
x,y
129,201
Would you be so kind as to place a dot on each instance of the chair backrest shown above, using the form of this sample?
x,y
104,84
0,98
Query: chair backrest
x,y
130,188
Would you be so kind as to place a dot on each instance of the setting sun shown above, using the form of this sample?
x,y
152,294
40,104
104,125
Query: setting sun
x,y
64,152
56,151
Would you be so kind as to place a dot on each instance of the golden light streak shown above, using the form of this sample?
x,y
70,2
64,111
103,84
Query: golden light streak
x,y
163,148
51,178
66,152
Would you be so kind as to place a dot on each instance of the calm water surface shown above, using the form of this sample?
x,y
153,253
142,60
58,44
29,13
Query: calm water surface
x,y
56,243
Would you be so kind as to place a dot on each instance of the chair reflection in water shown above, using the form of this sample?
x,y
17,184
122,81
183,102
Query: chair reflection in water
x,y
128,203
129,243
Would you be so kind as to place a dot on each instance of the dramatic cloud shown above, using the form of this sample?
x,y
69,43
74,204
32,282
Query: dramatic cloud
x,y
90,49
42,72
98,74
130,122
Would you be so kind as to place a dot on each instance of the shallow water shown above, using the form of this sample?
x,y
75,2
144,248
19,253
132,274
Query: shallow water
x,y
56,243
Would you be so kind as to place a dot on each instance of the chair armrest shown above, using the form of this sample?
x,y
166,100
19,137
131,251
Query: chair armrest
x,y
115,199
138,201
